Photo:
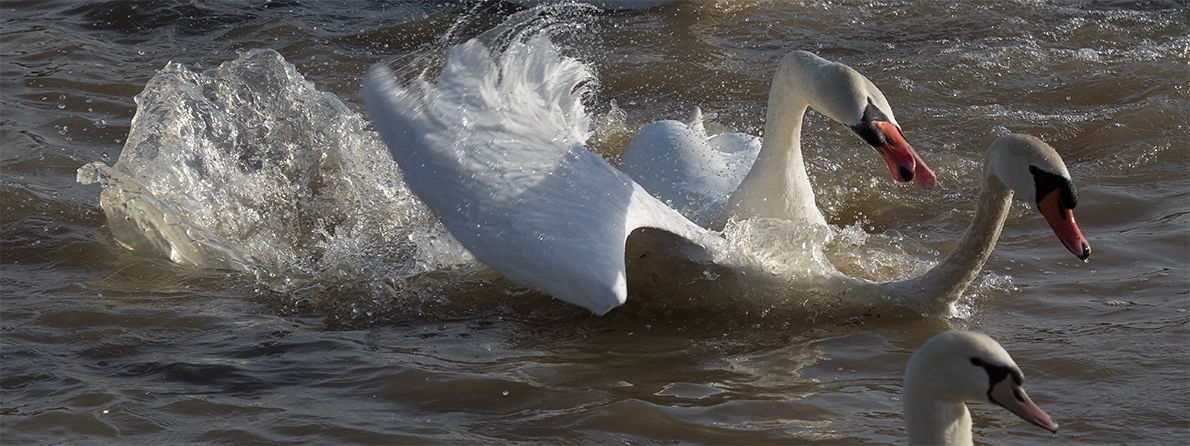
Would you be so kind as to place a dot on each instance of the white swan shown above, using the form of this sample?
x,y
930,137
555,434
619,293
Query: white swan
x,y
494,149
1014,163
678,164
956,368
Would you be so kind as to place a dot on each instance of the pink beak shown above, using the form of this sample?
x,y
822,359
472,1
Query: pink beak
x,y
902,160
1012,396
1061,220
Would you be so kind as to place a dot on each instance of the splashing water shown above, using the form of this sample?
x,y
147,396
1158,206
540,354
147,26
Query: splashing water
x,y
249,167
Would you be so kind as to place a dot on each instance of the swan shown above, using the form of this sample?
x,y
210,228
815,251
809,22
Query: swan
x,y
679,164
1014,164
955,368
495,149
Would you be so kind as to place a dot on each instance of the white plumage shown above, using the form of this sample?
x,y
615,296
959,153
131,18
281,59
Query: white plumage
x,y
953,369
495,149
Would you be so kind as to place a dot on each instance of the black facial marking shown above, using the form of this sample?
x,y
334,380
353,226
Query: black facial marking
x,y
1046,182
868,131
998,373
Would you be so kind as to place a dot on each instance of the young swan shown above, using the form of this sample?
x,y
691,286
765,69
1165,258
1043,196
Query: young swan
x,y
956,368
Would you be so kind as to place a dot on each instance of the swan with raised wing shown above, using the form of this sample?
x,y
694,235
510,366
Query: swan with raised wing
x,y
955,368
738,175
495,149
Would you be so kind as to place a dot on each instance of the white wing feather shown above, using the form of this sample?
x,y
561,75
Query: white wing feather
x,y
494,148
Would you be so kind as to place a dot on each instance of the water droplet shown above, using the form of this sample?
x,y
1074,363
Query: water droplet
x,y
505,393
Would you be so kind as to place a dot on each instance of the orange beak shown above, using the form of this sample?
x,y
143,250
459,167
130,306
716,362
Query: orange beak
x,y
902,160
1061,220
1012,396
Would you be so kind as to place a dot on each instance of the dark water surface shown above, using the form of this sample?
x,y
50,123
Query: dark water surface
x,y
394,336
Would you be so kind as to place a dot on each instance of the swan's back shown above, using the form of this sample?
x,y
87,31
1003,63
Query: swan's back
x,y
694,174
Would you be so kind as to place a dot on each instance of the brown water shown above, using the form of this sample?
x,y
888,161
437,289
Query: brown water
x,y
385,340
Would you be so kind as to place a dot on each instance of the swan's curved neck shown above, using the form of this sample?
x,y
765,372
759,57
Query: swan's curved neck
x,y
942,285
777,186
932,422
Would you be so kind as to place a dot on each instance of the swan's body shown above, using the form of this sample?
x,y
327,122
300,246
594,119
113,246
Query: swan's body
x,y
494,149
956,368
664,157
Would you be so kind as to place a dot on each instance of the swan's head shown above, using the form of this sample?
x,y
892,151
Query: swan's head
x,y
959,367
842,94
1033,169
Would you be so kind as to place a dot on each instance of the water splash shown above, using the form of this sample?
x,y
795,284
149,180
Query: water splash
x,y
249,167
143,224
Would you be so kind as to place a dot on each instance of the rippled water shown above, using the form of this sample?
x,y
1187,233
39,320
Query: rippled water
x,y
362,322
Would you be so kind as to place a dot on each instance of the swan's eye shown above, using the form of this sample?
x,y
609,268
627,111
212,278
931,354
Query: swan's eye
x,y
977,362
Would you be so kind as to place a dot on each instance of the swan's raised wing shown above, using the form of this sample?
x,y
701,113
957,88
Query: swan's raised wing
x,y
494,148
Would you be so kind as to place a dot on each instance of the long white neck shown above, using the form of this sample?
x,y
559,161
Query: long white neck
x,y
937,289
777,186
933,422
